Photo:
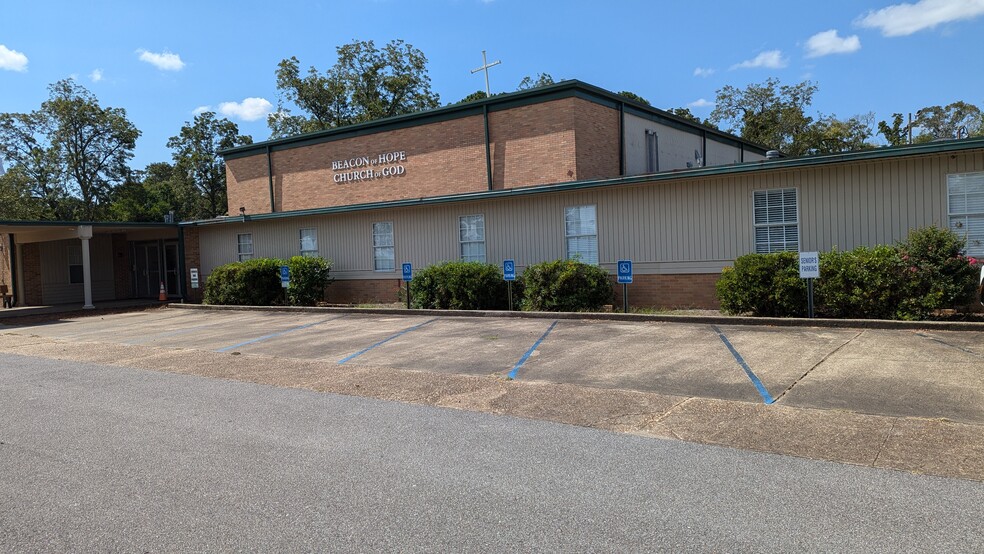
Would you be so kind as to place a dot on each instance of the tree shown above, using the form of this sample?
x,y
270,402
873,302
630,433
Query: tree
x,y
897,134
17,201
366,83
685,113
196,154
477,95
25,142
829,135
769,113
635,97
151,194
956,120
542,80
93,143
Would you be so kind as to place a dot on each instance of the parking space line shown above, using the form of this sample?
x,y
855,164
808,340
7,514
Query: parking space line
x,y
384,341
519,364
748,371
944,343
277,334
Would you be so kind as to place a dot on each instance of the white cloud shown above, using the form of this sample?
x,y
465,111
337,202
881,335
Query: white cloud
x,y
96,75
700,103
827,42
771,59
904,19
165,61
201,109
250,109
703,72
12,59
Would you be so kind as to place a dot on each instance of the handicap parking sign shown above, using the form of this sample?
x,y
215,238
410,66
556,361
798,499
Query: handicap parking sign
x,y
407,272
509,270
625,271
284,276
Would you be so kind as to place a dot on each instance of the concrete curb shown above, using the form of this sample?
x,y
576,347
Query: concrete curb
x,y
707,320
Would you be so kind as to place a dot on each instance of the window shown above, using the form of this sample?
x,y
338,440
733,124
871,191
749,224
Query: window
x,y
965,198
75,263
776,220
245,248
383,258
581,232
471,236
309,242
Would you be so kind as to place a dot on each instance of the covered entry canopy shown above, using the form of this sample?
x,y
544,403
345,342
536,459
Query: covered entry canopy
x,y
62,262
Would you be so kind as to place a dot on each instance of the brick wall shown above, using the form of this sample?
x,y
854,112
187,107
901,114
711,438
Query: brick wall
x,y
357,291
31,258
193,258
122,268
671,291
550,142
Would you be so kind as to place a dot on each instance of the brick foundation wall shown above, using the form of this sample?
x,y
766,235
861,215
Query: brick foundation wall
x,y
31,258
671,291
193,258
122,272
357,291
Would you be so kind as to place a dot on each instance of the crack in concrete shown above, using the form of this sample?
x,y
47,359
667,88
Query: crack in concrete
x,y
884,442
816,365
944,343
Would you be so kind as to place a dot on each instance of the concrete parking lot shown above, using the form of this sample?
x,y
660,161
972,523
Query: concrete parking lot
x,y
933,374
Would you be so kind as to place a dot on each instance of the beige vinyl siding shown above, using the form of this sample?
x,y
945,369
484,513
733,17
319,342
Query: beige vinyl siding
x,y
55,285
681,226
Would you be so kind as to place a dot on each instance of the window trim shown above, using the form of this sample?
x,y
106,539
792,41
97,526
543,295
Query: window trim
x,y
950,214
462,243
80,265
372,237
300,239
597,243
240,255
799,237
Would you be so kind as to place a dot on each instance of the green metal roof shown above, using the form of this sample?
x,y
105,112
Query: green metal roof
x,y
563,89
714,171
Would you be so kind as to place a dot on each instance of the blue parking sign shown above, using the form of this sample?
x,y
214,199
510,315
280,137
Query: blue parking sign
x,y
625,271
509,270
407,272
284,276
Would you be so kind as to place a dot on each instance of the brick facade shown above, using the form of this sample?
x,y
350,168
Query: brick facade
x,y
31,270
695,290
193,258
358,291
544,143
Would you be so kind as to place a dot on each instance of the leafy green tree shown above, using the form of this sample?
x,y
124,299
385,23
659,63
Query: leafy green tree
x,y
635,97
35,164
196,154
685,113
897,134
477,95
956,120
542,80
829,135
17,201
93,143
769,113
366,83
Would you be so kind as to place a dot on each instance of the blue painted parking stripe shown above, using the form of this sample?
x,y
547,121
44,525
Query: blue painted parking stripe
x,y
519,364
277,334
384,341
748,371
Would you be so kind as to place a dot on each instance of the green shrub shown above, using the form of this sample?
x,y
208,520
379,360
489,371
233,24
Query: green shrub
x,y
860,283
459,286
937,273
763,285
253,282
566,286
308,280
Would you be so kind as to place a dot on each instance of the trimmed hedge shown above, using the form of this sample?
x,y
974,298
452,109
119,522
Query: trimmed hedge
x,y
922,274
256,282
459,286
566,286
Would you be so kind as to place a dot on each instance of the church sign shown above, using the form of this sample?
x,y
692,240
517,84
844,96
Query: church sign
x,y
365,168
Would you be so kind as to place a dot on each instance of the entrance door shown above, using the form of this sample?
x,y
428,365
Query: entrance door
x,y
171,268
148,269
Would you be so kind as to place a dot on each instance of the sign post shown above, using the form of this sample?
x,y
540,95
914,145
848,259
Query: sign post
x,y
625,277
809,270
284,276
407,277
509,274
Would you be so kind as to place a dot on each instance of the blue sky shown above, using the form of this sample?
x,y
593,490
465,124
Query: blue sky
x,y
163,60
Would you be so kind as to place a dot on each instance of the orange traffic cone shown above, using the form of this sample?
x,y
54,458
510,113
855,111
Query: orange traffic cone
x,y
163,295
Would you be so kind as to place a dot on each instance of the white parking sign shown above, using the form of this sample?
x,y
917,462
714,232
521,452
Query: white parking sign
x,y
809,265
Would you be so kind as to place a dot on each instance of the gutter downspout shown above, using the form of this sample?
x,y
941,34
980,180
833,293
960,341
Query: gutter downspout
x,y
270,177
488,147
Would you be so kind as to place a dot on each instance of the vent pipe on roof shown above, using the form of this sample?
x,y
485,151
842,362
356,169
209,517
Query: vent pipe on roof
x,y
773,155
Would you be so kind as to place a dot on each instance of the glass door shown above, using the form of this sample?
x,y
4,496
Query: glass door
x,y
171,268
